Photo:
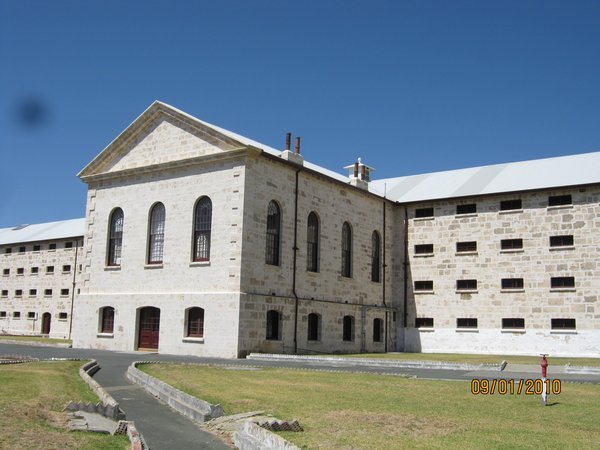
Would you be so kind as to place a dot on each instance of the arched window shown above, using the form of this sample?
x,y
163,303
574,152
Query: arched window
x,y
273,325
156,234
377,330
348,331
115,237
314,327
107,319
312,243
273,233
346,250
195,322
202,228
375,256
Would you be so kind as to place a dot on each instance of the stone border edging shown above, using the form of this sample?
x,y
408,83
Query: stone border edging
x,y
377,362
111,407
187,405
36,343
253,437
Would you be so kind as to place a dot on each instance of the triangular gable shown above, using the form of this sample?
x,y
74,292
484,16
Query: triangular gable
x,y
160,135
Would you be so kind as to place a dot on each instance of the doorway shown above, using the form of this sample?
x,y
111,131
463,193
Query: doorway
x,y
46,319
149,328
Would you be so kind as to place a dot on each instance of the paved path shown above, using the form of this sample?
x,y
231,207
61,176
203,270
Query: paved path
x,y
163,428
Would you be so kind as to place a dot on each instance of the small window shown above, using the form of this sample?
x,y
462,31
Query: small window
x,y
348,328
69,244
561,241
424,322
35,270
312,243
424,285
8,250
66,268
4,292
470,246
36,248
64,292
195,322
562,282
314,327
512,283
273,325
107,319
48,292
19,293
62,316
22,249
49,269
16,315
377,330
423,212
2,314
560,200
465,322
514,323
470,208
6,272
562,324
375,257
51,246
511,244
273,236
423,249
31,315
20,271
466,285
346,250
507,205
32,292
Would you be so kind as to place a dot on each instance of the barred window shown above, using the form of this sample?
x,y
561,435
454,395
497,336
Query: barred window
x,y
465,322
511,244
423,249
512,283
375,256
195,322
312,243
424,322
156,234
115,237
562,282
562,324
513,322
346,250
426,285
273,325
471,208
466,285
507,205
202,229
273,233
560,200
423,212
107,319
469,246
561,241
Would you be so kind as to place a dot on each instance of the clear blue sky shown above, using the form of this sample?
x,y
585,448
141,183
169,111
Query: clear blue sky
x,y
410,86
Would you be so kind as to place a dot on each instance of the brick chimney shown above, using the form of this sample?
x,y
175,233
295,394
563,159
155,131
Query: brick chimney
x,y
294,156
359,174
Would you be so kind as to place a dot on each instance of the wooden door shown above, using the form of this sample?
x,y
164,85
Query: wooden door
x,y
149,328
46,319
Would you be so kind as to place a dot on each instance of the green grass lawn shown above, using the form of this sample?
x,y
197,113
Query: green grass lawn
x,y
35,339
32,397
343,411
474,359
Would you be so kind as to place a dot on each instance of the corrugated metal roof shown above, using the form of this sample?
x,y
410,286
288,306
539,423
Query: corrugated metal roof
x,y
42,231
510,177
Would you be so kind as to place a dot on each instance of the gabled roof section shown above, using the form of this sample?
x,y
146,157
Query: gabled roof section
x,y
42,231
546,173
162,121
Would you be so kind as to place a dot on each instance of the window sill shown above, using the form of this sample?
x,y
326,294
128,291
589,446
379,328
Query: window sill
x,y
33,296
423,219
570,289
508,291
200,264
62,320
563,331
511,250
552,208
198,340
31,318
562,247
20,274
423,292
111,268
35,274
465,215
105,335
65,272
511,211
426,329
513,330
153,266
466,330
467,291
423,255
472,252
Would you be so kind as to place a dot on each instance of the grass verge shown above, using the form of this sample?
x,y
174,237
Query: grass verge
x,y
35,339
32,397
340,410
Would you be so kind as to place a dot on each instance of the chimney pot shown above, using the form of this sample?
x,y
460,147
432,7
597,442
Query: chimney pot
x,y
355,170
288,140
297,147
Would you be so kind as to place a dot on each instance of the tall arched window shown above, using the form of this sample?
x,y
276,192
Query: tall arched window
x,y
375,256
202,228
107,319
115,237
273,233
314,327
156,234
273,325
195,322
348,331
346,250
312,243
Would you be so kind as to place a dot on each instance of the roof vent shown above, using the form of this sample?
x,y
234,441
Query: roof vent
x,y
359,174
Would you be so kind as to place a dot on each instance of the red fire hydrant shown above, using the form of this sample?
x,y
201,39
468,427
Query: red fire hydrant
x,y
544,364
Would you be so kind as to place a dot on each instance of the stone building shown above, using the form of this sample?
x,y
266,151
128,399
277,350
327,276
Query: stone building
x,y
39,265
203,242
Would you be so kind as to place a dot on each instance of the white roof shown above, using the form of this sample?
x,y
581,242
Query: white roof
x,y
510,177
42,231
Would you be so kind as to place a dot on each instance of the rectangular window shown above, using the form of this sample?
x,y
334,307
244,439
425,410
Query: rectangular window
x,y
8,250
47,292
49,269
512,283
423,212
51,246
561,241
16,315
470,246
19,293
22,249
466,323
35,270
62,316
4,292
562,282
69,244
424,285
32,292
20,271
423,249
424,322
64,292
66,268
466,285
31,315
2,314
512,322
6,272
471,208
511,244
507,205
562,324
36,248
560,200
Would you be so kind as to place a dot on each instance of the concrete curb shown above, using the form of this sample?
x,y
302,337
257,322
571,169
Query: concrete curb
x,y
253,437
110,408
35,344
376,362
191,407
582,369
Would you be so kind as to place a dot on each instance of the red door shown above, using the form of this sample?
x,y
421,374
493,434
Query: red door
x,y
149,328
46,318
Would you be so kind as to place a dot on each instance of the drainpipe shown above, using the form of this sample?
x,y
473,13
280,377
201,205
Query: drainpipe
x,y
384,265
295,260
405,265
73,289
